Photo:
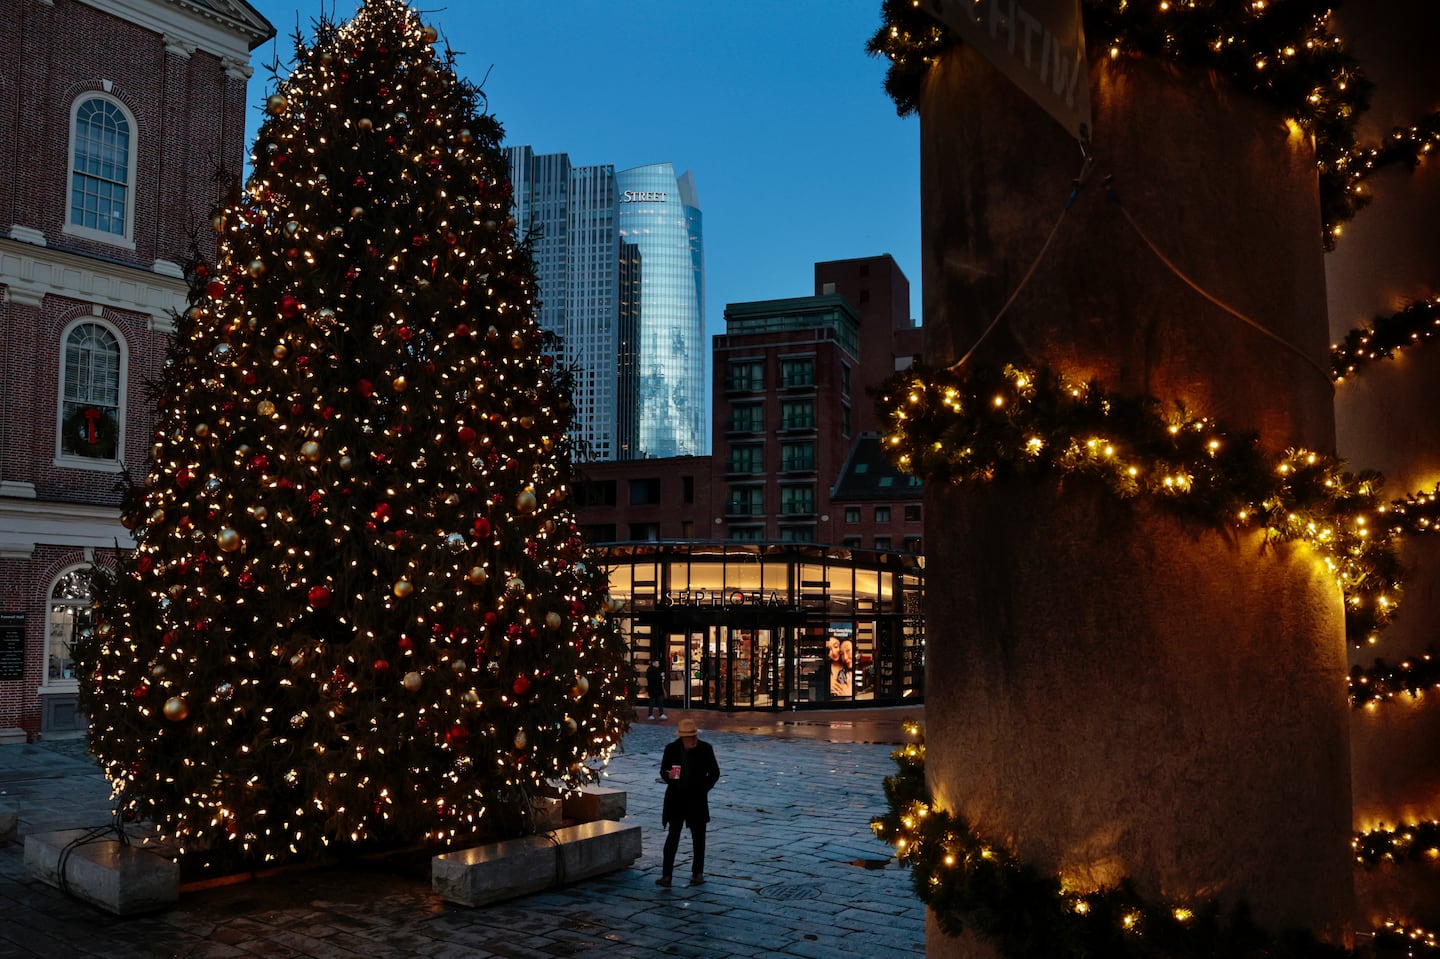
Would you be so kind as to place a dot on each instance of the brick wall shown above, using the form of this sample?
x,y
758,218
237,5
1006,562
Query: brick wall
x,y
188,110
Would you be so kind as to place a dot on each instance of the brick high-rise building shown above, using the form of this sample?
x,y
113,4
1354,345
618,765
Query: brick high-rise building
x,y
115,120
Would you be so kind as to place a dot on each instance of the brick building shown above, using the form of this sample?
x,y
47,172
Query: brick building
x,y
794,432
116,116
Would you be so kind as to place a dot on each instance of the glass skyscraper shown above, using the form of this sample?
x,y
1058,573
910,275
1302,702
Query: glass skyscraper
x,y
620,265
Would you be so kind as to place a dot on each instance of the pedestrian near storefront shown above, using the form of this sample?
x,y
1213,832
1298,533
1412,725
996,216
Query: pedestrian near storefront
x,y
655,688
689,770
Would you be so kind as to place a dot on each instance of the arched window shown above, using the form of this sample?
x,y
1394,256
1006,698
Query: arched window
x,y
71,617
102,169
90,391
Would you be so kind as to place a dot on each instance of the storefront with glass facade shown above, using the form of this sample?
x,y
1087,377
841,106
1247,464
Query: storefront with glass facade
x,y
772,625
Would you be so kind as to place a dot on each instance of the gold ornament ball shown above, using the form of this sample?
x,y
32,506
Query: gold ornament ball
x,y
403,588
459,666
276,104
521,740
310,450
176,709
477,576
256,268
516,585
553,620
157,670
356,212
202,430
227,539
465,136
411,682
292,227
259,512
492,334
280,351
429,34
399,384
525,502
581,687
346,463
571,725
218,222
527,422
265,408
517,340
470,698
365,124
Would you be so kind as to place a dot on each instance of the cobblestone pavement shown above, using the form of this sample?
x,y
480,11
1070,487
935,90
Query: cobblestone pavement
x,y
792,868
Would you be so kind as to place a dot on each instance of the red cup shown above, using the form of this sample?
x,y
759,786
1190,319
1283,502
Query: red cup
x,y
674,772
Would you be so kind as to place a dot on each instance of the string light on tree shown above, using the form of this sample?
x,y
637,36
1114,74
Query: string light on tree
x,y
313,644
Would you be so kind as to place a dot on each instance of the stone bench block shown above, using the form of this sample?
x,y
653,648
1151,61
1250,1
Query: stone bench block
x,y
515,867
124,880
596,802
13,735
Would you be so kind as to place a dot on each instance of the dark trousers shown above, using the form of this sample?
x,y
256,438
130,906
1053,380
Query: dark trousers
x,y
672,846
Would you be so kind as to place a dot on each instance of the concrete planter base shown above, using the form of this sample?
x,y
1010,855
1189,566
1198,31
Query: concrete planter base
x,y
123,879
516,867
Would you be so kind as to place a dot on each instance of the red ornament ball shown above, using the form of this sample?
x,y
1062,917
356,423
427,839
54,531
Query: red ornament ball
x,y
521,685
319,596
467,435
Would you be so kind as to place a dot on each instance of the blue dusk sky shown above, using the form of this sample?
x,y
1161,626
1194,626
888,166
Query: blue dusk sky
x,y
797,153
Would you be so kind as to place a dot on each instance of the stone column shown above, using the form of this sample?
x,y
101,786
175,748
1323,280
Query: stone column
x,y
1388,257
1113,692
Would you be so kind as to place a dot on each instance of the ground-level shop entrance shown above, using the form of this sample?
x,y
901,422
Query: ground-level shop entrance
x,y
771,626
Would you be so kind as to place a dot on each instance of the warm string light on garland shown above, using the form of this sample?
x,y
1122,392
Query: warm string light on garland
x,y
1415,324
970,883
1284,53
1382,682
1417,842
991,424
1398,939
360,610
1343,174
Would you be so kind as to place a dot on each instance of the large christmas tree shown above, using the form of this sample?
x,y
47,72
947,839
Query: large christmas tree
x,y
359,610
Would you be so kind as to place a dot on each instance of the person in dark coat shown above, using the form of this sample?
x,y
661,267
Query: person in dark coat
x,y
655,687
689,771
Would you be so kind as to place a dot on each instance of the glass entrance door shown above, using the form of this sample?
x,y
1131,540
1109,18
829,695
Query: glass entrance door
x,y
684,678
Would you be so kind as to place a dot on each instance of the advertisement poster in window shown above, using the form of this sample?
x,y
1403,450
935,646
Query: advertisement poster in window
x,y
840,651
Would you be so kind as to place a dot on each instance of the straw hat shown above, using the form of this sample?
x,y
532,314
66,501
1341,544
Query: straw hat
x,y
686,727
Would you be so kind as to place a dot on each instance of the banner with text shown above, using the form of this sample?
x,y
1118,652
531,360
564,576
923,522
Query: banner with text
x,y
1038,44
